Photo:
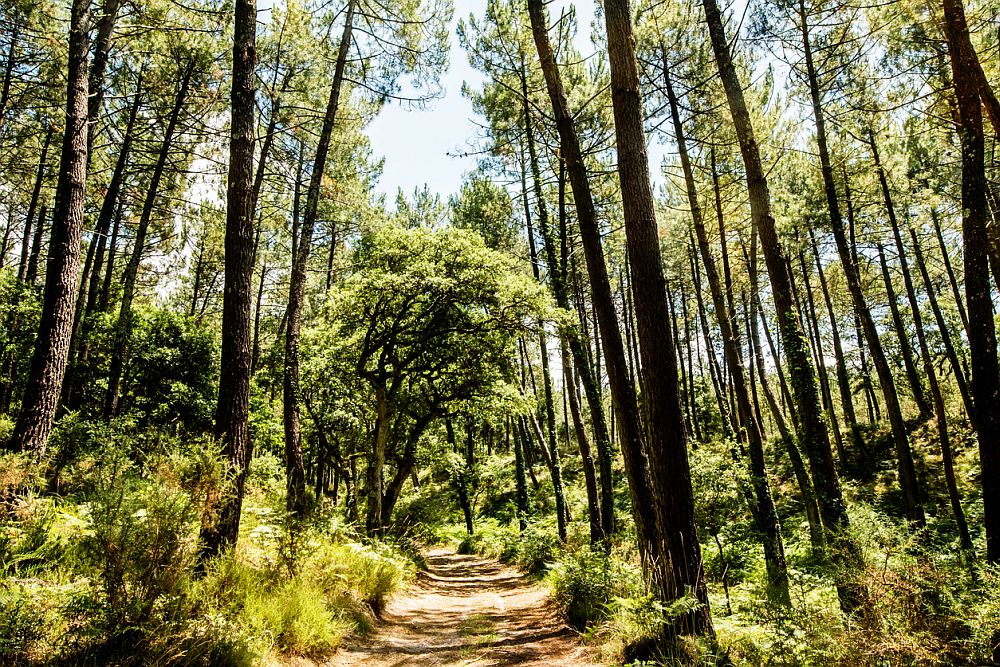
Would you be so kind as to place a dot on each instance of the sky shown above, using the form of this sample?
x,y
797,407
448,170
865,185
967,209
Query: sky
x,y
424,146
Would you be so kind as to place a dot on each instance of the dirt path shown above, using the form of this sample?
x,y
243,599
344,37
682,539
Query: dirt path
x,y
468,611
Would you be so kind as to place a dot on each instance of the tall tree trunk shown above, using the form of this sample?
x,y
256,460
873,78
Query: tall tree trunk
x,y
374,472
812,433
812,320
764,512
816,534
953,281
586,456
874,412
907,472
29,219
521,483
104,301
558,285
232,417
102,52
48,362
622,391
843,379
978,293
87,297
123,327
916,386
31,274
295,475
680,569
947,457
946,340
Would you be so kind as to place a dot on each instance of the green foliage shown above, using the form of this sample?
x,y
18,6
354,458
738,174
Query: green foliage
x,y
141,547
21,626
587,583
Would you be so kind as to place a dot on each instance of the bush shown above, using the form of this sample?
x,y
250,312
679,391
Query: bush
x,y
141,547
586,583
296,615
21,626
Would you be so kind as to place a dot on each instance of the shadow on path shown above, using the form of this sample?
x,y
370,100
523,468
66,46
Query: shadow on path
x,y
468,611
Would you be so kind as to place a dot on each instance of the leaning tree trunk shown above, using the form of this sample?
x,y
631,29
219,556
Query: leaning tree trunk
x,y
941,418
680,569
843,379
232,417
907,472
29,219
87,297
812,433
123,327
295,473
48,362
622,391
978,294
764,512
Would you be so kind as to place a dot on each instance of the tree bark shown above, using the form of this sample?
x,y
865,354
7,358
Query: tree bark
x,y
978,293
232,417
907,473
812,433
622,391
123,327
48,361
29,219
764,512
296,300
679,571
843,379
916,386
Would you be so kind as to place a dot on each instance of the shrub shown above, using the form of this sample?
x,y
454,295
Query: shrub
x,y
586,584
21,626
141,546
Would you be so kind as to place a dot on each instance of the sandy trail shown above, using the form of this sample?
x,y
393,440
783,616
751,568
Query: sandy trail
x,y
468,611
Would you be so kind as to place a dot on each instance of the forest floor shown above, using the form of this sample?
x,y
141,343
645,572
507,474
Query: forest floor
x,y
471,612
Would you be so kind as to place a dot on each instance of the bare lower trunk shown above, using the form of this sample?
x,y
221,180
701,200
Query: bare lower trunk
x,y
48,362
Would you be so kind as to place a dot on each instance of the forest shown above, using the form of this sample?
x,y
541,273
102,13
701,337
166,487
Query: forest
x,y
696,365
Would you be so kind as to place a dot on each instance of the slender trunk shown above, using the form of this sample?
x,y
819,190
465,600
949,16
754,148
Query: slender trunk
x,y
88,295
102,53
764,513
8,70
916,386
375,473
843,379
29,219
296,300
622,391
103,303
232,417
874,413
821,362
31,274
586,456
48,361
943,331
812,433
123,327
802,477
257,315
521,483
953,281
907,472
978,292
